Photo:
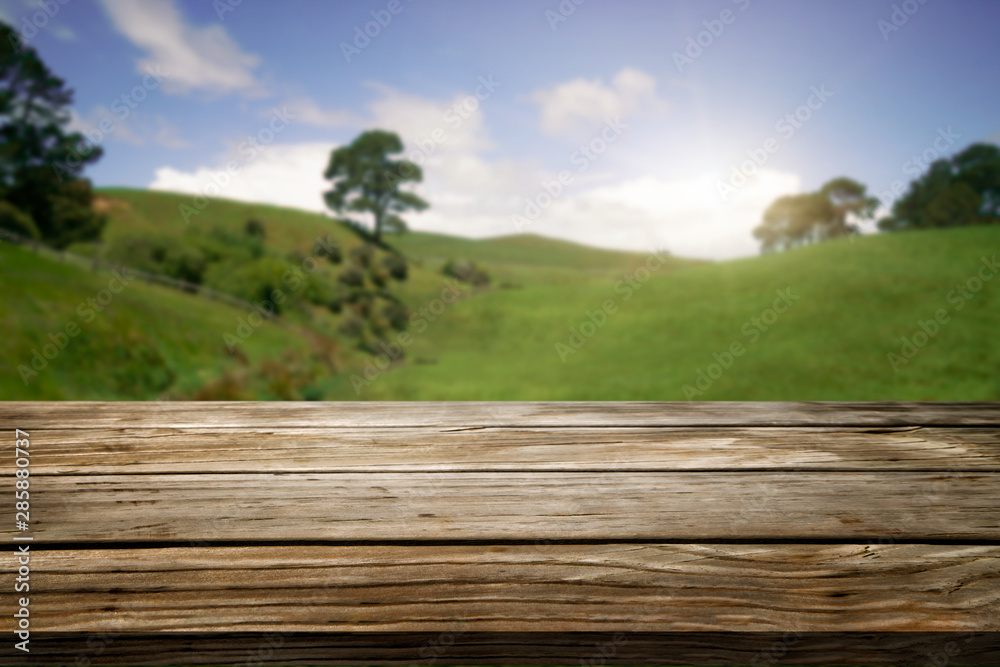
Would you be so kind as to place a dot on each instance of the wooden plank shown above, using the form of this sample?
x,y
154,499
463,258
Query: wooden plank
x,y
520,588
75,414
379,449
685,506
453,647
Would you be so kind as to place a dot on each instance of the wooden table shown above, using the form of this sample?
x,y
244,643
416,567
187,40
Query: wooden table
x,y
508,533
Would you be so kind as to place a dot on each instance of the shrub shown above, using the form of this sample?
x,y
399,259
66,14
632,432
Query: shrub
x,y
362,305
352,276
185,264
255,228
162,255
352,326
479,278
325,247
466,272
362,255
245,244
252,281
395,265
397,315
319,289
380,277
312,393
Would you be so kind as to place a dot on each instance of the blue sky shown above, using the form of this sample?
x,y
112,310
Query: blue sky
x,y
620,122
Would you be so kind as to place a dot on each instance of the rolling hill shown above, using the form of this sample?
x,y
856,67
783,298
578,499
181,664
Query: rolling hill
x,y
887,317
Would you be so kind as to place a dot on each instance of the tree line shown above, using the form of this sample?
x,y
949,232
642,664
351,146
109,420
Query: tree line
x,y
954,192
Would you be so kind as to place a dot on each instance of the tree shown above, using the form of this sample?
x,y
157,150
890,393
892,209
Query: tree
x,y
40,163
795,220
848,200
366,180
962,190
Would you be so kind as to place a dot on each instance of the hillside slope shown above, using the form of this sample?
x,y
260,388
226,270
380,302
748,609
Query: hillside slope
x,y
132,341
849,306
877,318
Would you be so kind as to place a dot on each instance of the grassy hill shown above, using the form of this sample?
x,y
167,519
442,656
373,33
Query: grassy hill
x,y
561,322
145,342
851,303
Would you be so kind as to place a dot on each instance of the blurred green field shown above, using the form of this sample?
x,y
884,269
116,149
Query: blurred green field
x,y
147,342
853,302
848,307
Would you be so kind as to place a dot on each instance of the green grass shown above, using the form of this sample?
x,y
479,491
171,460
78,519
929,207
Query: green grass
x,y
147,341
523,249
854,303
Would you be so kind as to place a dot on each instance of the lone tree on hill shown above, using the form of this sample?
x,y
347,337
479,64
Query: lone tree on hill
x,y
366,180
796,220
40,162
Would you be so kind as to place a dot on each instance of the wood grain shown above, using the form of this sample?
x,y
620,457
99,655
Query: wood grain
x,y
453,647
380,449
694,506
524,533
521,588
467,415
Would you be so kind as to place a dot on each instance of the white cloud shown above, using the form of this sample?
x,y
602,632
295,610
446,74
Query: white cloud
x,y
473,194
193,58
283,175
684,215
580,105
